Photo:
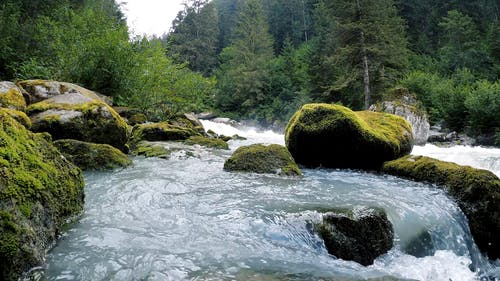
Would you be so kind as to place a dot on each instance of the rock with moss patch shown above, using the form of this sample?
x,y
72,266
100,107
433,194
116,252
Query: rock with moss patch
x,y
147,149
326,135
11,96
174,130
19,116
400,102
258,158
207,142
39,90
80,116
39,191
92,156
360,235
476,191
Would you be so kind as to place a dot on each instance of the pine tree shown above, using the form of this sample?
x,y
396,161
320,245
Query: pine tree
x,y
242,74
372,46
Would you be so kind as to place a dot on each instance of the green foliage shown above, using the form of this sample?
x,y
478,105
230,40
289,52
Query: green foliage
x,y
245,64
160,88
195,36
483,107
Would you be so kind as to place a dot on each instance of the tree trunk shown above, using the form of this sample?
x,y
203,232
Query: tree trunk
x,y
366,69
366,72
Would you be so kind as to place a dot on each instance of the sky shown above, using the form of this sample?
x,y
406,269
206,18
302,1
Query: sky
x,y
150,17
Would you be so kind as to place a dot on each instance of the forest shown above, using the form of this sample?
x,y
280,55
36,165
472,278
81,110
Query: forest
x,y
260,60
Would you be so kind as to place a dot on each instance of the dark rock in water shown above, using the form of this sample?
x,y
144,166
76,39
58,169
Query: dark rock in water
x,y
476,191
258,158
39,191
79,115
11,96
326,135
400,102
420,245
92,156
359,235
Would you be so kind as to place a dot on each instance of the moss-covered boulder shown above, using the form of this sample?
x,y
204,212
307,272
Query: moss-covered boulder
x,y
39,191
147,150
360,234
326,135
165,131
79,115
258,158
207,142
92,156
476,191
39,90
11,96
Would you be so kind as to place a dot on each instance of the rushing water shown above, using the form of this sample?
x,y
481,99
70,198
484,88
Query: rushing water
x,y
186,219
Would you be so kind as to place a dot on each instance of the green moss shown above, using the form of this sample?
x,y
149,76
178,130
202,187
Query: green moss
x,y
137,118
92,156
99,123
207,142
32,172
258,158
334,136
149,150
19,116
163,131
476,191
13,99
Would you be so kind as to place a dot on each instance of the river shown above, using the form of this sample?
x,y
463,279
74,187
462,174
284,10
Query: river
x,y
186,219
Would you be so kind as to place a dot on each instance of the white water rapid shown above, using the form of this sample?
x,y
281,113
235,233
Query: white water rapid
x,y
184,218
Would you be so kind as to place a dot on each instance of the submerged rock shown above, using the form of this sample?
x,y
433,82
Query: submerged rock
x,y
207,142
81,116
39,191
326,135
258,158
403,104
11,96
359,235
476,191
420,245
92,156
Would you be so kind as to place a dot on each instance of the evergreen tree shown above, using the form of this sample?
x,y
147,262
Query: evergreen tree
x,y
244,69
194,38
371,45
461,45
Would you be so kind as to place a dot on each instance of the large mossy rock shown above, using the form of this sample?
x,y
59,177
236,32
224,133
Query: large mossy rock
x,y
258,158
476,191
81,116
359,235
39,191
92,156
400,102
11,96
333,136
